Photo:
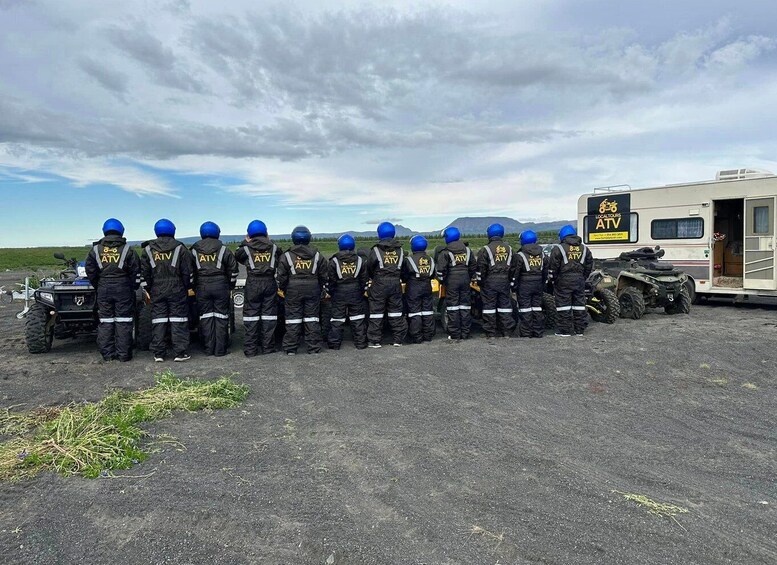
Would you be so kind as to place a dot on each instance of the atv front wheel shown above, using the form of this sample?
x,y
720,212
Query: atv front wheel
x,y
549,310
38,332
632,303
606,307
681,303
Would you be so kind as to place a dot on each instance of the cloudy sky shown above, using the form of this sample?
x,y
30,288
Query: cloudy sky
x,y
341,116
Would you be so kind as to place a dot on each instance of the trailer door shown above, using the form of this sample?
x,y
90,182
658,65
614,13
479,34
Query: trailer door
x,y
759,270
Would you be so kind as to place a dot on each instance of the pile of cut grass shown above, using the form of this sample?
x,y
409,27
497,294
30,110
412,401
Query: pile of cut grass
x,y
94,439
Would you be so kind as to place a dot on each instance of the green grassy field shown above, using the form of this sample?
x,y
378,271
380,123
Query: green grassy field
x,y
42,258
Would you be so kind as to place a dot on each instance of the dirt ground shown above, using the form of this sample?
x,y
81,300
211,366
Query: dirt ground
x,y
430,454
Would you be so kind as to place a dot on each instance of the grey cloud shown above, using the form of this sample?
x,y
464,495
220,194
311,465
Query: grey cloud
x,y
159,60
110,79
375,222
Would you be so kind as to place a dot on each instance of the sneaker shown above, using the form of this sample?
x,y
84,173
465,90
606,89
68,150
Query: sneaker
x,y
374,346
158,359
397,344
291,353
182,358
563,335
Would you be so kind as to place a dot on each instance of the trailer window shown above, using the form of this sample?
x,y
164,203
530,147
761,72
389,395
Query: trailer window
x,y
761,219
679,228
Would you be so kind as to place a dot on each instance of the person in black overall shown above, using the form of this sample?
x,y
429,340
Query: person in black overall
x,y
168,269
496,268
455,269
384,268
347,280
570,264
530,276
260,308
113,268
215,276
417,274
302,274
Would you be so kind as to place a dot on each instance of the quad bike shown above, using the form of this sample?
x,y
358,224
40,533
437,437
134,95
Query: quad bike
x,y
64,307
640,281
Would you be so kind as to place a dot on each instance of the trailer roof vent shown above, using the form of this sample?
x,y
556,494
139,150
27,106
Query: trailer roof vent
x,y
739,174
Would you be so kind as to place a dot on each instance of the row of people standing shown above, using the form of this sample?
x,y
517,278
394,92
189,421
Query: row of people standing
x,y
168,270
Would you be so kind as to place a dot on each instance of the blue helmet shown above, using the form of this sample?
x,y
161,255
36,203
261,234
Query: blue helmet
x,y
346,242
418,243
164,227
566,231
495,230
210,229
255,228
528,237
386,230
112,224
451,234
300,235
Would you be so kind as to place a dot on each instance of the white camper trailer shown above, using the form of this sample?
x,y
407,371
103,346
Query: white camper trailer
x,y
720,232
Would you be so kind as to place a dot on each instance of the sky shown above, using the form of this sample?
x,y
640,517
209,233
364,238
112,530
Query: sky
x,y
341,115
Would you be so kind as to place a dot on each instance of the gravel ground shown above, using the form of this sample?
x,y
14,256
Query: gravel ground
x,y
436,453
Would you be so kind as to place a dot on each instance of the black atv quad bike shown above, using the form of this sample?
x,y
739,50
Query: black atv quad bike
x,y
641,281
64,307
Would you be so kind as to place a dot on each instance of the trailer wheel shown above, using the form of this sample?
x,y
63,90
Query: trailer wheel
x,y
609,307
38,332
632,303
681,304
549,310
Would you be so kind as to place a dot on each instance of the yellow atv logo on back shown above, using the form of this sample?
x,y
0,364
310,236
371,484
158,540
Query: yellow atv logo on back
x,y
575,252
163,255
262,257
302,264
424,265
109,254
460,258
501,254
348,268
535,261
390,258
209,258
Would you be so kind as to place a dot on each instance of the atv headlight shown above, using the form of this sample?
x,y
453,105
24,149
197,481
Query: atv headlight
x,y
607,280
46,297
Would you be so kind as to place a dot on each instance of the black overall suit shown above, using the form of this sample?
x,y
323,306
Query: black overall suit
x,y
496,268
570,264
113,268
215,275
168,269
455,269
384,266
302,273
417,273
347,280
530,276
260,309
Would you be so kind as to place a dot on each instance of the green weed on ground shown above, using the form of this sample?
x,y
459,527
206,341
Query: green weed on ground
x,y
662,509
94,439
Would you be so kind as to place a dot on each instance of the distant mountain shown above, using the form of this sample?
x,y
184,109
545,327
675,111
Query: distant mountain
x,y
475,225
